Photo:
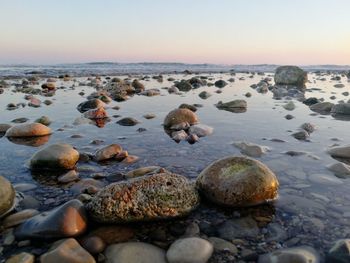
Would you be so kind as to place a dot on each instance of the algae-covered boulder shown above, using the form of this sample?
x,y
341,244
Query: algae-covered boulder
x,y
290,75
238,181
55,156
179,116
153,197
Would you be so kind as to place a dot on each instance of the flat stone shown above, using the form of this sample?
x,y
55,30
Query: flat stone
x,y
19,217
190,250
134,252
222,245
28,130
250,149
67,220
291,255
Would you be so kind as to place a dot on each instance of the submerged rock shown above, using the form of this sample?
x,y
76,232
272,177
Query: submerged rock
x,y
341,170
250,149
179,116
153,197
291,255
134,252
67,251
67,220
22,257
238,181
245,227
201,130
233,106
340,252
290,75
128,121
28,130
7,196
55,156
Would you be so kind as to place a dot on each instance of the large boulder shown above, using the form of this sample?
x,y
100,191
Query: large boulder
x,y
290,75
67,220
28,130
238,181
145,198
55,156
7,196
179,116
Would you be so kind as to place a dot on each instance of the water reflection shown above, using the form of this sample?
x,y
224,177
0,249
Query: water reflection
x,y
30,141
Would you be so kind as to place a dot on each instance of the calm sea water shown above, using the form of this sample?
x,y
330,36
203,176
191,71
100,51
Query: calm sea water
x,y
313,206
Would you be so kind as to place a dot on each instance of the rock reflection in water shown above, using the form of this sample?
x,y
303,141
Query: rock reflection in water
x,y
30,141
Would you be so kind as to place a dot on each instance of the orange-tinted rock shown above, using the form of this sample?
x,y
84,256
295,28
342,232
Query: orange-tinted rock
x,y
28,130
178,116
107,152
67,220
99,113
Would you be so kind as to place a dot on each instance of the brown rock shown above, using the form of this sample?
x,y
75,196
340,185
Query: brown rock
x,y
114,234
108,152
28,130
178,116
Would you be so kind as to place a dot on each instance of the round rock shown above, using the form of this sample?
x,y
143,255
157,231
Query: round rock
x,y
7,196
178,116
28,130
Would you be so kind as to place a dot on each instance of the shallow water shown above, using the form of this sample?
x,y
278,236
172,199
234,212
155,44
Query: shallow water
x,y
315,212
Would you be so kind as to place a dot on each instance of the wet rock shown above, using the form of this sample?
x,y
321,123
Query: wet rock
x,y
113,234
201,130
178,116
183,85
341,151
341,170
341,108
134,252
4,127
309,127
250,149
289,106
311,101
301,135
192,138
138,86
23,257
291,255
68,177
188,106
44,120
7,196
67,220
173,89
220,83
143,171
180,126
128,122
93,244
34,102
19,217
238,181
245,227
340,252
48,86
222,245
153,197
204,95
190,250
289,117
149,116
179,135
68,251
290,75
99,113
233,106
322,107
55,156
88,185
150,92
108,152
28,130
90,105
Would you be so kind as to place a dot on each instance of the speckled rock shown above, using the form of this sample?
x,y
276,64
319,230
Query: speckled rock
x,y
134,252
67,251
67,220
238,181
190,250
7,196
290,75
153,197
55,156
340,252
178,116
108,152
291,255
28,130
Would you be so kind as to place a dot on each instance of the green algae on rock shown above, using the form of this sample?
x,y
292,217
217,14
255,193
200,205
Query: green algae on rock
x,y
238,181
153,197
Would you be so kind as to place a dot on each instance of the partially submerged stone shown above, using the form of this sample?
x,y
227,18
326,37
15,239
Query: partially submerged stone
x,y
153,197
291,255
236,106
290,75
108,152
28,130
238,181
178,116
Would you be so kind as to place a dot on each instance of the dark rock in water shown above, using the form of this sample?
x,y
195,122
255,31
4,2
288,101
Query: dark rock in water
x,y
145,198
220,83
301,135
290,75
138,86
197,82
30,141
236,106
67,220
90,104
341,109
311,101
55,156
7,196
289,117
245,227
188,106
20,120
49,86
322,107
4,127
309,127
192,138
238,181
44,120
128,122
204,95
340,252
184,85
179,116
302,254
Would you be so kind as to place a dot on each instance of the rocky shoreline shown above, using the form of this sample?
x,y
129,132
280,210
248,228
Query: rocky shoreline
x,y
232,209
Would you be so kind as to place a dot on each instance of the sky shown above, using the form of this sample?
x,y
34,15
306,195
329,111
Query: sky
x,y
301,32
